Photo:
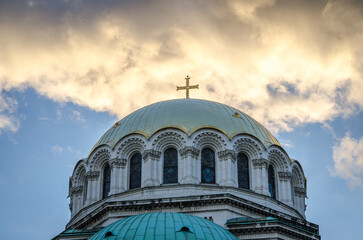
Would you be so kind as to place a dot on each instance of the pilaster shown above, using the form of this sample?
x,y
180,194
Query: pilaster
x,y
116,175
285,187
92,187
76,199
300,194
260,166
150,176
189,161
227,171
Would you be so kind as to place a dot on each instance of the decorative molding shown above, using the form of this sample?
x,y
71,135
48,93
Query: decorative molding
x,y
92,175
278,158
260,163
170,137
130,145
248,145
285,176
189,151
299,191
100,153
211,138
99,158
76,190
151,153
227,154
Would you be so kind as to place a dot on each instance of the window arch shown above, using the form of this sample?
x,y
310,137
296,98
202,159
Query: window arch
x,y
243,171
208,166
271,181
135,171
170,166
106,181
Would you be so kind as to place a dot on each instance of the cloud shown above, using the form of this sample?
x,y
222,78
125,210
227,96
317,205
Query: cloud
x,y
286,63
77,116
8,121
348,160
57,149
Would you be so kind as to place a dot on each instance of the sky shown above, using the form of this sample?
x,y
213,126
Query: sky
x,y
69,69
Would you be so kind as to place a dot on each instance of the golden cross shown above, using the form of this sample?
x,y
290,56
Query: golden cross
x,y
187,87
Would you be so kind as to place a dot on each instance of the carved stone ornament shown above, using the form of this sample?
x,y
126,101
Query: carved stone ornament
x,y
100,153
276,156
285,176
209,137
76,190
130,145
92,175
227,154
151,153
260,163
192,151
117,163
248,145
168,138
299,191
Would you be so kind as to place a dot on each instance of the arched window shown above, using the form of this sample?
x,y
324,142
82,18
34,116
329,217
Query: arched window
x,y
271,181
106,181
135,171
243,171
170,166
208,166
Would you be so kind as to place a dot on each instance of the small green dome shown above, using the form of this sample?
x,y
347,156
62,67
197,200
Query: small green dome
x,y
163,226
188,115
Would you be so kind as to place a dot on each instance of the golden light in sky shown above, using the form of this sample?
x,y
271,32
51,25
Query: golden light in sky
x,y
286,63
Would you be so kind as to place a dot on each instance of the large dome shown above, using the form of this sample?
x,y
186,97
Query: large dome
x,y
164,225
188,115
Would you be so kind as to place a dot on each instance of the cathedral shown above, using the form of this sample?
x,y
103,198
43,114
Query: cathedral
x,y
188,169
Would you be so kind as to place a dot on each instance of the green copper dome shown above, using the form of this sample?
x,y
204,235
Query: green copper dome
x,y
163,226
188,115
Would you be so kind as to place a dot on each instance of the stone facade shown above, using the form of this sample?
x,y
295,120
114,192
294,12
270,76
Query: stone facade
x,y
218,202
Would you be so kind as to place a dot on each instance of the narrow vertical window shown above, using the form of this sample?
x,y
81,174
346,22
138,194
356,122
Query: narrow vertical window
x,y
243,171
208,166
271,181
85,186
106,181
170,166
135,171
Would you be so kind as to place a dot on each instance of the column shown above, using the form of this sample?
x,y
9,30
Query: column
x,y
116,175
150,168
93,186
227,169
300,199
76,199
188,160
260,167
285,187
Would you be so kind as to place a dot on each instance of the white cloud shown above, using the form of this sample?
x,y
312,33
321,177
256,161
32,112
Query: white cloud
x,y
348,160
8,122
57,149
77,116
284,63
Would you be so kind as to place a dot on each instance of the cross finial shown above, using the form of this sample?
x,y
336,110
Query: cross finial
x,y
187,87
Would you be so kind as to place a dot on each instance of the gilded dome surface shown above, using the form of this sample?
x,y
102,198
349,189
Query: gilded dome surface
x,y
188,115
163,226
